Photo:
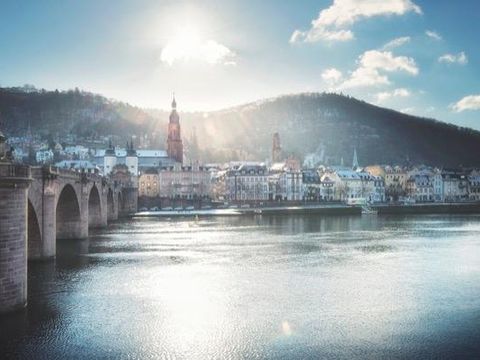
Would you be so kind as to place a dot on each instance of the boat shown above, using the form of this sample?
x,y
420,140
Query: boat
x,y
257,211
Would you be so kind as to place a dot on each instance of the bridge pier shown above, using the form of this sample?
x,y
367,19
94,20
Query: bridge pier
x,y
129,202
48,247
14,183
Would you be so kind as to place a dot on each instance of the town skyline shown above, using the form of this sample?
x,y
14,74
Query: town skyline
x,y
413,56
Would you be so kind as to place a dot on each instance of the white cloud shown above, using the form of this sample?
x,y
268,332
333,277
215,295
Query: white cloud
x,y
333,23
433,35
471,102
396,43
400,92
460,58
373,64
332,76
192,49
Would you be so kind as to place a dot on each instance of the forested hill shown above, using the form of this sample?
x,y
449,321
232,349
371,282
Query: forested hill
x,y
79,112
318,126
334,124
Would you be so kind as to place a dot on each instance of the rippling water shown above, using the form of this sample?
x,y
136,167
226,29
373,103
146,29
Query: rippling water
x,y
264,287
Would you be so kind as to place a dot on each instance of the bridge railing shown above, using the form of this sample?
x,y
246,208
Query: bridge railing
x,y
47,172
16,171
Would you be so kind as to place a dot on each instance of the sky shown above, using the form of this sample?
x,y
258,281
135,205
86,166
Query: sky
x,y
418,57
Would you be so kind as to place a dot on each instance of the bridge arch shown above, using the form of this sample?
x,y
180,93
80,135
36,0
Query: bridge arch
x,y
34,235
69,224
94,208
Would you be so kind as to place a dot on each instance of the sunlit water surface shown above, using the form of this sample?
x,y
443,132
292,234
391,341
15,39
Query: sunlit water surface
x,y
263,287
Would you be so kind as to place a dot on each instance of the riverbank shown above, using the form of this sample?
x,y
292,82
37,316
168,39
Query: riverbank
x,y
332,209
433,208
324,209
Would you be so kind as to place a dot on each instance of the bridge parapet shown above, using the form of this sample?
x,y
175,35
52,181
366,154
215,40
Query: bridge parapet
x,y
14,171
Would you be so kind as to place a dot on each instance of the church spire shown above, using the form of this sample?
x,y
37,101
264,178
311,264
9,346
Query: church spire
x,y
174,103
355,159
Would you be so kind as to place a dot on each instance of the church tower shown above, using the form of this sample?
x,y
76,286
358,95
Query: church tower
x,y
131,160
355,165
110,159
174,139
276,148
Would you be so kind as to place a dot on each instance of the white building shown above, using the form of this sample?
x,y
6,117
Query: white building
x,y
348,185
285,183
247,181
44,156
146,159
80,151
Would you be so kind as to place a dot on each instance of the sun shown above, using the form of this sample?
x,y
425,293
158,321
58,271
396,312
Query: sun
x,y
189,45
184,45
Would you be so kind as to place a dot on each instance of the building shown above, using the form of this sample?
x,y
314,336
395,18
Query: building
x,y
149,183
174,139
44,156
285,182
474,186
348,184
247,181
327,188
455,185
437,182
311,185
219,185
77,152
145,159
395,180
184,181
420,187
353,187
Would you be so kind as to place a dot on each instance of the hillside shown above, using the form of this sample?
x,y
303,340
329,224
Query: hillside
x,y
58,113
328,125
335,124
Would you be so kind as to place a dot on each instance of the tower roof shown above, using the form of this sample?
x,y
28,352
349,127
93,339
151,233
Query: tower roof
x,y
355,158
174,118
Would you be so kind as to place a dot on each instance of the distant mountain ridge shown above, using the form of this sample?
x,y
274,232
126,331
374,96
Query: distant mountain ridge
x,y
329,126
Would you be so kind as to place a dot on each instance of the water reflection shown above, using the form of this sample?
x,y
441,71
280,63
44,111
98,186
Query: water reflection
x,y
259,287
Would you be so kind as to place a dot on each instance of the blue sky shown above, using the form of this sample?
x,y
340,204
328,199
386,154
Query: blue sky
x,y
216,53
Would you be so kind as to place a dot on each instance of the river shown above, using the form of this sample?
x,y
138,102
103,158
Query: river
x,y
261,287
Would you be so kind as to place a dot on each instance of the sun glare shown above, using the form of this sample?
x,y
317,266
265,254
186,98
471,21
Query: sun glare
x,y
188,45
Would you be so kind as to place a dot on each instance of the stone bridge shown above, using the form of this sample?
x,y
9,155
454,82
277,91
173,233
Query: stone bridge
x,y
39,205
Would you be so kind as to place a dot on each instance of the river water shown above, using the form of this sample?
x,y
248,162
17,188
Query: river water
x,y
261,287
